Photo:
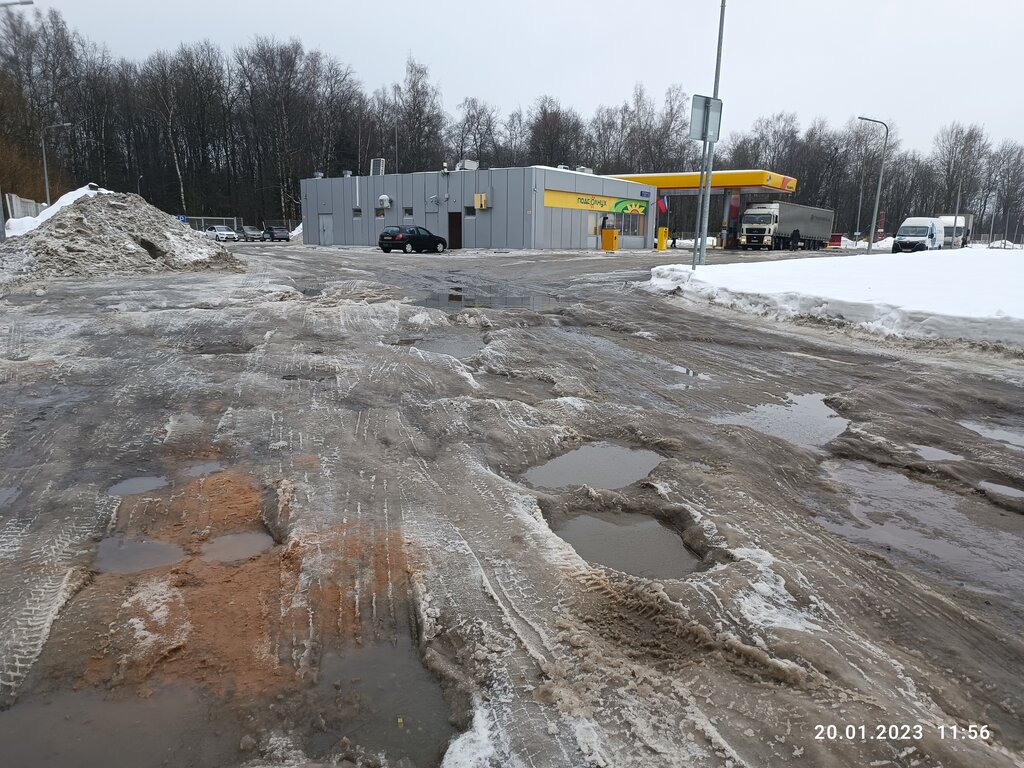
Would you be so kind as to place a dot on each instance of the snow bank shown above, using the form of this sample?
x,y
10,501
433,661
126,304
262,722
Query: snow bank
x,y
1003,244
15,227
951,294
296,235
92,232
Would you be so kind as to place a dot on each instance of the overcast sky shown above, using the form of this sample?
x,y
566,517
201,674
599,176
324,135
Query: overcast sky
x,y
918,64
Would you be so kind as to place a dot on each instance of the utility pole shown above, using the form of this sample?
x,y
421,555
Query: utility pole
x,y
710,162
881,172
956,217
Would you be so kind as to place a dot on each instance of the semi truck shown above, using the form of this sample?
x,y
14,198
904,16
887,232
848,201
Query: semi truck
x,y
962,236
780,225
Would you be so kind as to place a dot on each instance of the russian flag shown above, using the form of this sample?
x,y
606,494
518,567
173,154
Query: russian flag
x,y
663,203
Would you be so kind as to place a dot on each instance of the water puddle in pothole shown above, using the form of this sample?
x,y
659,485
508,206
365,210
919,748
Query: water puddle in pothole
x,y
938,532
1002,490
931,453
1013,438
8,495
631,543
135,485
456,299
173,726
805,421
599,465
233,547
384,700
121,554
204,468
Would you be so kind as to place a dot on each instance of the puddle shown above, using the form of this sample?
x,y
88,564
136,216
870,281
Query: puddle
x,y
936,531
456,299
631,543
1002,490
236,546
137,485
8,495
930,453
806,421
689,377
457,348
130,555
1012,437
174,726
599,465
384,700
204,468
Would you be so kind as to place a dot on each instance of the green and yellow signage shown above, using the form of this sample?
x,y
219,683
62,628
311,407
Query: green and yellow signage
x,y
554,198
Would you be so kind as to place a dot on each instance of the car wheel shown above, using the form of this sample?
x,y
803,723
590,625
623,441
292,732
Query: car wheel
x,y
439,247
407,248
386,250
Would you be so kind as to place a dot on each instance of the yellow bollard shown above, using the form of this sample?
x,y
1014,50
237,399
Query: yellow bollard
x,y
662,238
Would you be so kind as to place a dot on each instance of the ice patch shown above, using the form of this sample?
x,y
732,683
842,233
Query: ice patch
x,y
474,748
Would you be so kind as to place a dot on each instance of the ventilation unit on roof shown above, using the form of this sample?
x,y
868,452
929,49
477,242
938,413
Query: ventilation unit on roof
x,y
563,167
467,165
584,169
346,174
377,166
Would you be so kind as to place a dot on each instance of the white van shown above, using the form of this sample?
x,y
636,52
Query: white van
x,y
919,233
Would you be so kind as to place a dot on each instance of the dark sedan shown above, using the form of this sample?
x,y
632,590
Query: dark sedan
x,y
409,239
250,233
276,233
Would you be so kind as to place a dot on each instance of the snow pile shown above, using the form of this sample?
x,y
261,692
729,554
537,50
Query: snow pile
x,y
90,234
296,234
15,227
1003,244
933,294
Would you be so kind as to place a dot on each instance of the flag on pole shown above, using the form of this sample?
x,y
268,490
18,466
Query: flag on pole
x,y
663,203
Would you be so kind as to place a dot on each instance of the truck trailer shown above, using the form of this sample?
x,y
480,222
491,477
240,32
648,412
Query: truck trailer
x,y
962,236
780,225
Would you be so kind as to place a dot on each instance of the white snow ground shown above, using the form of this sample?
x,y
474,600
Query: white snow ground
x,y
975,294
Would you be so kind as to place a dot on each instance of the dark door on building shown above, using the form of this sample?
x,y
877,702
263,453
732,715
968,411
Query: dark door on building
x,y
454,230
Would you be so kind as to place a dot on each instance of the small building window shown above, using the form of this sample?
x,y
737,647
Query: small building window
x,y
357,213
470,212
379,213
633,224
407,212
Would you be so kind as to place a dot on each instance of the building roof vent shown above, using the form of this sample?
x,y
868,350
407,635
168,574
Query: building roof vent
x,y
563,167
584,169
346,174
377,166
467,165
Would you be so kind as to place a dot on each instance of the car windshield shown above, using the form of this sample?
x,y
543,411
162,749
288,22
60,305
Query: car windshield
x,y
913,231
390,230
757,218
221,228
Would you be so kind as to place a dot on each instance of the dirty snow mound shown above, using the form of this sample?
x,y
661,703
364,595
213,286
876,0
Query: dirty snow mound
x,y
104,234
296,234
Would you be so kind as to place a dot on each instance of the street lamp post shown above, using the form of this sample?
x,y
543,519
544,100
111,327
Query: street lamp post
x,y
42,141
881,171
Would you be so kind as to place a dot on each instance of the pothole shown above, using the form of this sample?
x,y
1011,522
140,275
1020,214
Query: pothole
x,y
805,421
384,700
204,468
1014,438
121,554
456,298
234,547
935,531
930,453
1002,490
629,542
8,495
135,485
599,465
172,725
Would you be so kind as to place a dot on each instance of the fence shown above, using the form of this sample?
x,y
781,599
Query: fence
x,y
202,222
20,207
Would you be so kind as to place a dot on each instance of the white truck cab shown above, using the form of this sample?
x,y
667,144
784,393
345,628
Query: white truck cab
x,y
919,233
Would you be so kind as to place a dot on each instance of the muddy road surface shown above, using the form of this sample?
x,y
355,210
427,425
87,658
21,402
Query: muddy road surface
x,y
496,510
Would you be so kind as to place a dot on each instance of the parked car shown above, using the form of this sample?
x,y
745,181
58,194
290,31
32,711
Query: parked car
x,y
409,239
221,233
276,233
250,233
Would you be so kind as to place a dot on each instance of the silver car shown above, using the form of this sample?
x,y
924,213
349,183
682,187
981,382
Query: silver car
x,y
221,233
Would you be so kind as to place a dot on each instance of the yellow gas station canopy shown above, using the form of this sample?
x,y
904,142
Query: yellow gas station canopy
x,y
734,181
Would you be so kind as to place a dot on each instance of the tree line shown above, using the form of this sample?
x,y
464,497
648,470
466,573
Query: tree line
x,y
203,131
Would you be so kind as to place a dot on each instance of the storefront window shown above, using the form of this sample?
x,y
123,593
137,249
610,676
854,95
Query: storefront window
x,y
633,224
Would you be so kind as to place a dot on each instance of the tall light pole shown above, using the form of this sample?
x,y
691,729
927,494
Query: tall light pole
x,y
881,171
705,209
42,141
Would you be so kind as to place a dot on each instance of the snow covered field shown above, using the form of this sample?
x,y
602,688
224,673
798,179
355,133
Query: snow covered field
x,y
975,294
